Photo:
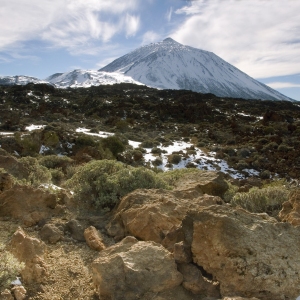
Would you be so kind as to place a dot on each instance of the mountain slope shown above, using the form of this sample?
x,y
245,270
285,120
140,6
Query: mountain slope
x,y
170,65
84,78
19,80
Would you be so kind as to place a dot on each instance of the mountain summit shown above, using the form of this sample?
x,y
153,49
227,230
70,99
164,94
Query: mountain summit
x,y
171,65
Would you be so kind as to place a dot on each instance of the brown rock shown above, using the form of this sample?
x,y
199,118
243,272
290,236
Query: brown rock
x,y
31,251
211,183
194,281
150,214
76,230
131,269
6,295
291,209
93,239
251,255
50,234
27,204
19,292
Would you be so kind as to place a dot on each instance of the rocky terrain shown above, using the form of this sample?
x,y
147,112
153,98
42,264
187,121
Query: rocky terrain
x,y
87,212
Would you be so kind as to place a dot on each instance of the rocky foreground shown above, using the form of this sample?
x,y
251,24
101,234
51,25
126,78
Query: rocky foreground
x,y
185,243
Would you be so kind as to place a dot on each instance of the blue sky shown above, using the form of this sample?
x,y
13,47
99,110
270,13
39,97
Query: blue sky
x,y
42,37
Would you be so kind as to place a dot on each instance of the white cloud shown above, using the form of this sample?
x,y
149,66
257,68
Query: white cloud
x,y
66,23
150,37
169,14
259,37
132,24
282,85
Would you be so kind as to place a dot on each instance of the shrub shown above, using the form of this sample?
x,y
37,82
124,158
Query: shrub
x,y
171,177
50,139
257,200
104,182
10,267
174,159
230,193
55,161
114,144
36,174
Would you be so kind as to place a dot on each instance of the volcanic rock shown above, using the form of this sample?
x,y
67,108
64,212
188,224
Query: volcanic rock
x,y
31,251
133,269
150,214
93,239
251,255
291,209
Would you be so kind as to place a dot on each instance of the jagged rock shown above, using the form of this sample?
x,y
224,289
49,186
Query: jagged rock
x,y
6,295
19,292
31,251
251,255
93,239
211,183
50,233
291,209
76,230
131,269
150,214
28,204
194,281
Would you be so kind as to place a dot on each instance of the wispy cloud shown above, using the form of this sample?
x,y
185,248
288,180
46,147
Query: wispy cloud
x,y
259,37
283,85
66,23
169,14
150,37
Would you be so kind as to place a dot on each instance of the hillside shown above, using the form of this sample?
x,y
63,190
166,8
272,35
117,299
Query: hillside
x,y
115,192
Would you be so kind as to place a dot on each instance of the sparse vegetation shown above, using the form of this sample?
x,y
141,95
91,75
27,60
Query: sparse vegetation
x,y
10,267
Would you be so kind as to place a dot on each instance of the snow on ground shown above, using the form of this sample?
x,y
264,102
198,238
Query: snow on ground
x,y
6,133
203,161
34,127
102,134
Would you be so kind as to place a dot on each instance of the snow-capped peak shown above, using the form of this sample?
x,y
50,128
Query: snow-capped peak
x,y
171,65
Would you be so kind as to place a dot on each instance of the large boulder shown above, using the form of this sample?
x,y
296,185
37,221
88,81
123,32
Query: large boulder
x,y
291,209
149,215
31,205
134,270
32,252
206,182
251,255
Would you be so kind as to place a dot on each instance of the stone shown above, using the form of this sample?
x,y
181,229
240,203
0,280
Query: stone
x,y
50,234
93,239
76,230
6,295
194,281
32,252
132,269
27,204
251,255
211,183
19,292
290,211
150,215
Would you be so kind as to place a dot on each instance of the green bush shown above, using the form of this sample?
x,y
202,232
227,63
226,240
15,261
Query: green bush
x,y
257,200
114,144
230,193
35,173
10,267
55,161
174,159
104,182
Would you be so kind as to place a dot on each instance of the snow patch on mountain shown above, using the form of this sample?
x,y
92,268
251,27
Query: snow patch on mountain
x,y
87,78
171,65
19,80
